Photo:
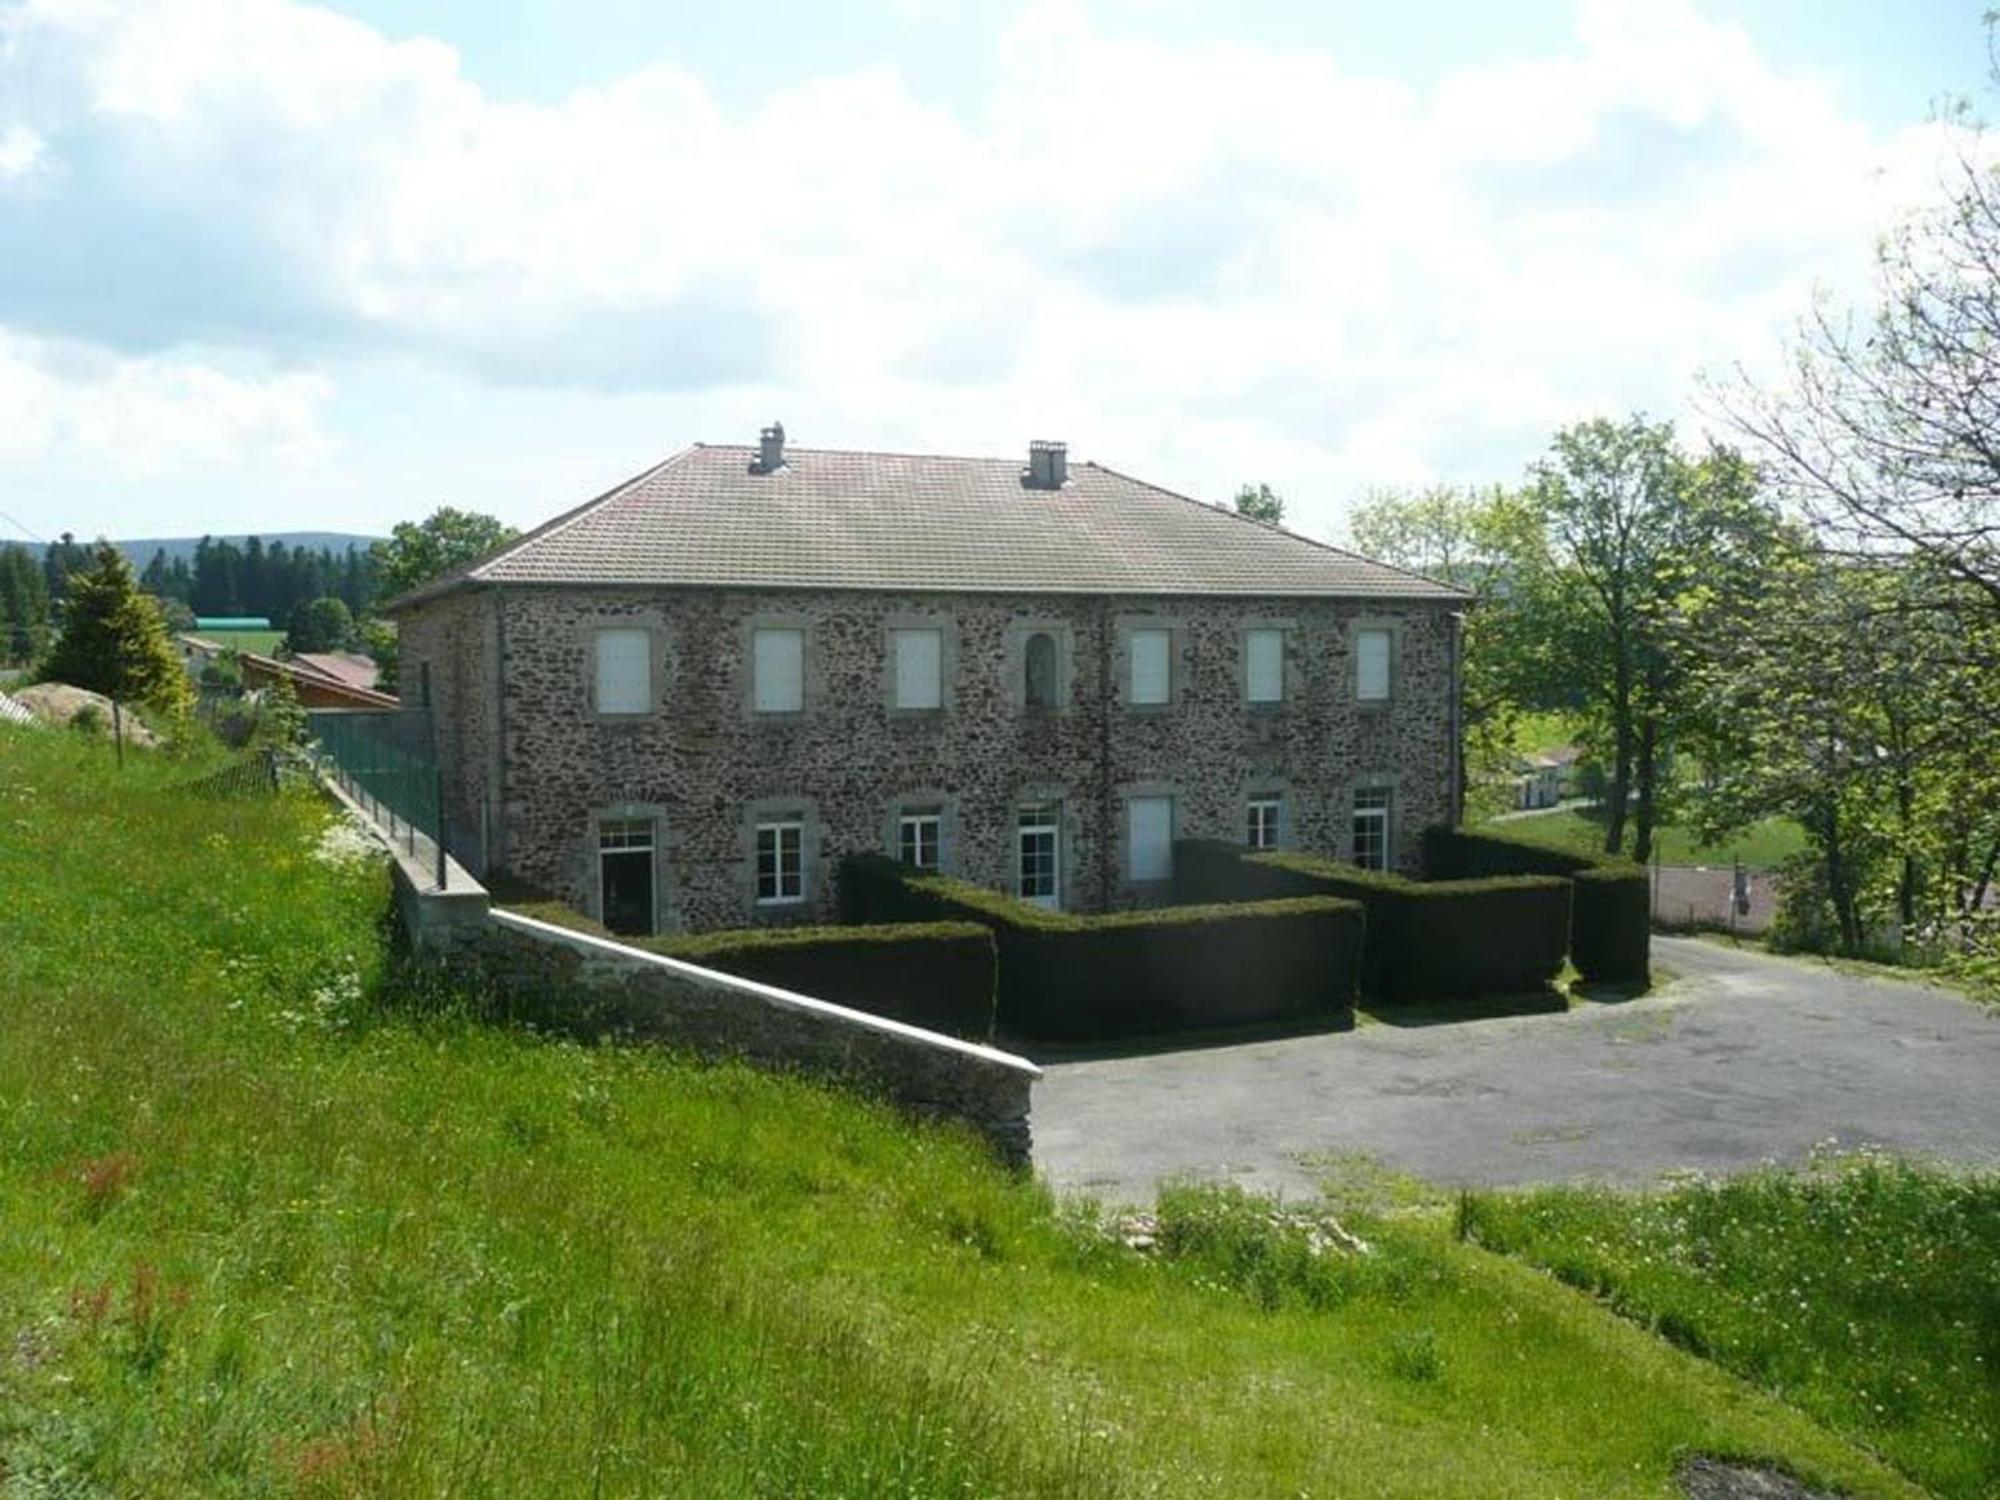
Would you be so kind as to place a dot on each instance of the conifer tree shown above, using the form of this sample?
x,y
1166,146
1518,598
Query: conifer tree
x,y
114,640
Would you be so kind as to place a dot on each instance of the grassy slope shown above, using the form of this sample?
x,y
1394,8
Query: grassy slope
x,y
258,1233
1869,1293
1761,846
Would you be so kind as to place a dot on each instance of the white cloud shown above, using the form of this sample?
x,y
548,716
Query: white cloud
x,y
85,413
1202,264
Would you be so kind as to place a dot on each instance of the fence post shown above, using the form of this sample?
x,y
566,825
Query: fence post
x,y
437,816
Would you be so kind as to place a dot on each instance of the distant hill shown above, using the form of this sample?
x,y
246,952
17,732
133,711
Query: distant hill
x,y
139,550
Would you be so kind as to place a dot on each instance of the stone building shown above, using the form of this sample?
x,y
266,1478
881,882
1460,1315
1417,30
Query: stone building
x,y
679,704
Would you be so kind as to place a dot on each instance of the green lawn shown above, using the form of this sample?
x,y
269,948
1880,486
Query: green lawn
x,y
1762,846
278,1218
1867,1293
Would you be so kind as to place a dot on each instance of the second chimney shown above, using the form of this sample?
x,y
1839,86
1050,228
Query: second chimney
x,y
771,449
1048,465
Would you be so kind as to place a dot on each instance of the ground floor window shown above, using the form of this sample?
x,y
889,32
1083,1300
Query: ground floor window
x,y
1040,846
625,874
917,840
1371,827
781,863
1263,830
1149,833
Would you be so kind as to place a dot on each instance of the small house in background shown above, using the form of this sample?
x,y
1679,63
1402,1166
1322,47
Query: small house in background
x,y
223,624
1546,777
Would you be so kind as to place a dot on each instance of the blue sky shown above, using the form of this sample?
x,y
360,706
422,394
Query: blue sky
x,y
266,266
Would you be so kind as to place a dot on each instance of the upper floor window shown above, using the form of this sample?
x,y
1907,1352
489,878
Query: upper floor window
x,y
781,864
779,667
1149,831
917,839
1040,665
624,671
1371,827
1263,830
1372,657
919,663
1264,666
1151,666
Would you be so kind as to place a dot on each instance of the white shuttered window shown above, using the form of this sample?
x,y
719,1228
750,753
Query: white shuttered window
x,y
624,672
1264,666
919,668
780,665
1371,665
1152,666
1150,835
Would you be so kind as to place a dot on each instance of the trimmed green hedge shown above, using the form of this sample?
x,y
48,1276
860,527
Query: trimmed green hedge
x,y
1065,976
1611,937
1424,940
938,975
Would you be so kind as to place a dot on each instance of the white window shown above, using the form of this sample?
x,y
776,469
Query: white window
x,y
917,840
1040,849
624,672
1371,665
780,667
1152,666
1149,835
1264,666
781,864
1263,830
919,656
1371,827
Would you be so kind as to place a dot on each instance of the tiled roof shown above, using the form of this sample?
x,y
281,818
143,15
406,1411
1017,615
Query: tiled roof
x,y
341,666
842,520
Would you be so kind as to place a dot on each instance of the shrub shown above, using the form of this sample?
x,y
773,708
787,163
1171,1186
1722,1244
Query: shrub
x,y
1611,909
1500,935
1073,977
938,975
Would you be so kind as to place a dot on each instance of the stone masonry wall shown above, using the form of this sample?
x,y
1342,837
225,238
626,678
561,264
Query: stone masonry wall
x,y
449,662
579,983
704,767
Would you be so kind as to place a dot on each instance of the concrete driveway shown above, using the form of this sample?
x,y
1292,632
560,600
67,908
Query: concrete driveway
x,y
1741,1060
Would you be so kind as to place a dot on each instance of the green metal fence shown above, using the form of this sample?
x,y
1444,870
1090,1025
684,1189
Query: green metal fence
x,y
386,763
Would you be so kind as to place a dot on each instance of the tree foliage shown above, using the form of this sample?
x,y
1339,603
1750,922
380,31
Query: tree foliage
x,y
322,624
1260,503
24,606
418,552
114,641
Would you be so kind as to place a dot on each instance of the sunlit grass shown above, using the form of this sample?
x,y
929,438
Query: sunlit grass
x,y
275,1219
1866,1292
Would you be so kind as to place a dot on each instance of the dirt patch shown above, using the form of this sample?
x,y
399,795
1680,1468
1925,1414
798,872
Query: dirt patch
x,y
1703,1478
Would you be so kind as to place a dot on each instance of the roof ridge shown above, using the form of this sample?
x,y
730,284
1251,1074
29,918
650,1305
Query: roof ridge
x,y
1297,536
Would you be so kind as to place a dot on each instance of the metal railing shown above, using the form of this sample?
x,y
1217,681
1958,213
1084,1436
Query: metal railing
x,y
387,764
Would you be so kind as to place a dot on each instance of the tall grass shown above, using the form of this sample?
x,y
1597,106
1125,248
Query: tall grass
x,y
269,1225
1866,1292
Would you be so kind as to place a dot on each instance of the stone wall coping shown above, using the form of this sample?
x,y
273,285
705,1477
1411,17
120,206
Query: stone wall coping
x,y
770,994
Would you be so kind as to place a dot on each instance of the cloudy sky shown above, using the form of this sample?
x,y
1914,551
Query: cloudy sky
x,y
273,266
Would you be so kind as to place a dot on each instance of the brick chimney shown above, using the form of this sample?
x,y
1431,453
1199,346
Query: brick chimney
x,y
771,449
1048,465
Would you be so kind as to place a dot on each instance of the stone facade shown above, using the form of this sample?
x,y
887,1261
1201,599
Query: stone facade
x,y
533,769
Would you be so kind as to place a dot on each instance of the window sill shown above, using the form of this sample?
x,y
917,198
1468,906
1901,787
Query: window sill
x,y
778,903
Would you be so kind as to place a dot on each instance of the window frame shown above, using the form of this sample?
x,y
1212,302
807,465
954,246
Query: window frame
x,y
1165,801
1252,634
1149,631
629,836
1382,815
647,694
759,631
1387,633
1258,803
917,818
1048,821
1028,672
778,828
898,635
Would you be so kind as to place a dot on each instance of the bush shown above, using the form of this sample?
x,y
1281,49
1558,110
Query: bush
x,y
1425,941
1611,914
938,975
1072,977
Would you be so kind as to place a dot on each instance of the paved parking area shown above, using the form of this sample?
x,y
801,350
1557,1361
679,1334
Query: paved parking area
x,y
1742,1059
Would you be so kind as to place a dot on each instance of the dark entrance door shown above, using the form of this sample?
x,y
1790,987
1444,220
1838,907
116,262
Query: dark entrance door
x,y
625,876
